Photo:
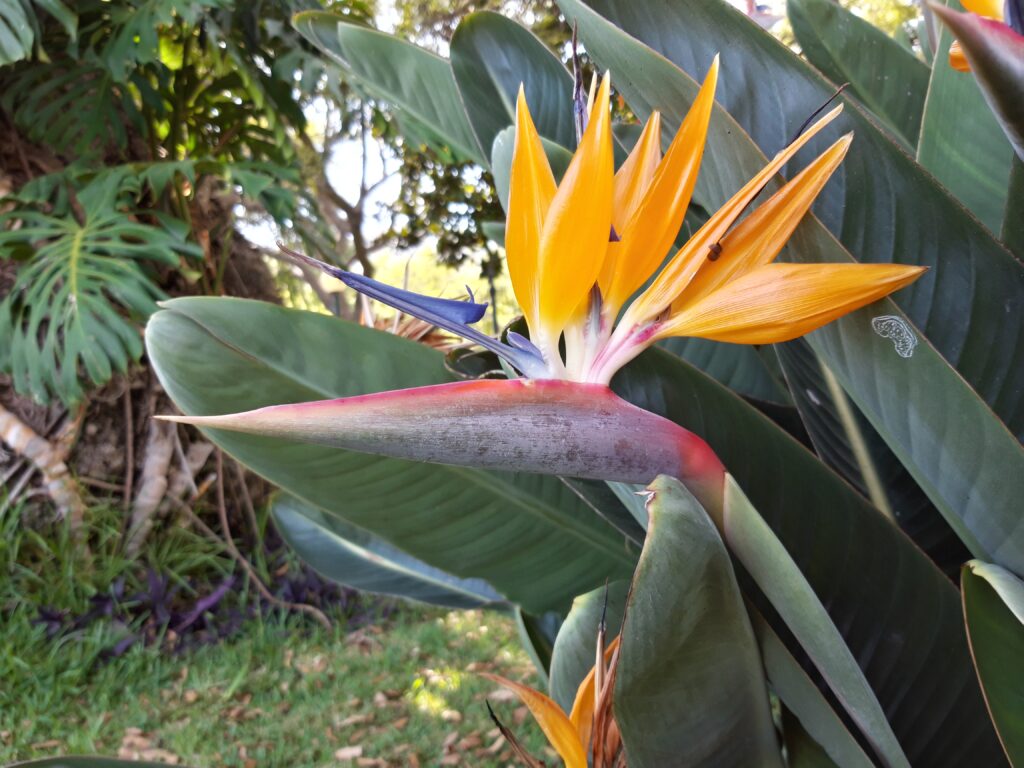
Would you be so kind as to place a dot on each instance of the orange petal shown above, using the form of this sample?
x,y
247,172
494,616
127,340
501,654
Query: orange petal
x,y
957,59
779,302
577,225
631,182
758,238
649,233
582,715
992,9
678,273
633,178
552,720
531,189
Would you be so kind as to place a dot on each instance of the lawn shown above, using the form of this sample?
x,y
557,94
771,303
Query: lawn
x,y
392,683
401,692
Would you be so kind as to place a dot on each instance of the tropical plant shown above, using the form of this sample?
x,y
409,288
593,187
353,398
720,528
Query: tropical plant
x,y
135,112
912,404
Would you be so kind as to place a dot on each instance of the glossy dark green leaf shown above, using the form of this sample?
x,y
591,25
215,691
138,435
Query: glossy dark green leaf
x,y
898,613
501,160
901,381
17,31
847,442
802,751
575,648
607,503
491,56
527,535
690,688
817,732
961,141
356,558
888,79
537,634
739,366
764,557
994,611
416,81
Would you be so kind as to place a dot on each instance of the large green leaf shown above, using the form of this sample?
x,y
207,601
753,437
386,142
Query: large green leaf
x,y
848,443
17,31
994,612
74,308
690,689
501,161
419,83
773,570
358,559
527,535
537,634
910,393
802,751
890,80
491,57
605,502
819,724
899,615
961,141
739,366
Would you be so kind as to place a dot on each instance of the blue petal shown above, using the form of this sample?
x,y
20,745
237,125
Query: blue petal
x,y
519,341
452,309
449,314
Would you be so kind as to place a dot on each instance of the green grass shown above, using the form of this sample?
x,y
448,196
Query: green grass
x,y
287,695
283,692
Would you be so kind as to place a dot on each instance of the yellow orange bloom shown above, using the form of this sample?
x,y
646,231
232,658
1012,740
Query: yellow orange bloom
x,y
578,250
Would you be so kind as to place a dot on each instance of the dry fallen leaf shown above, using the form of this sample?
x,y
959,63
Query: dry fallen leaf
x,y
501,694
348,753
470,742
356,720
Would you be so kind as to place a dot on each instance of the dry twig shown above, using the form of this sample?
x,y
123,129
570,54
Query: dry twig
x,y
229,544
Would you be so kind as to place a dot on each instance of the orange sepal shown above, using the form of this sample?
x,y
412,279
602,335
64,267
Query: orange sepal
x,y
531,189
779,302
557,727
